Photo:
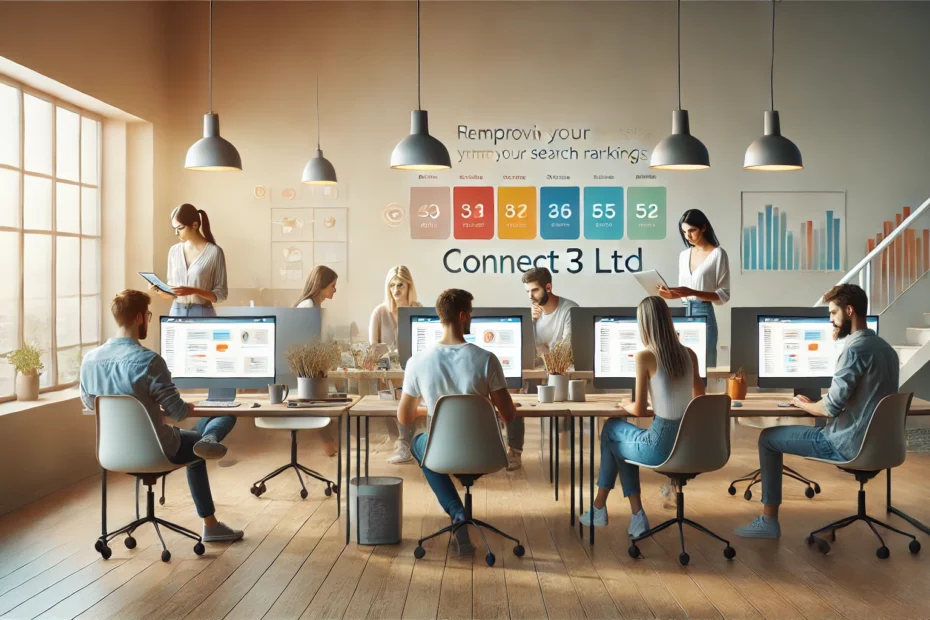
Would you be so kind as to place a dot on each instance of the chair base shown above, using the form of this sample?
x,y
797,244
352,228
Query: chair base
x,y
259,487
479,525
882,552
102,545
755,477
680,520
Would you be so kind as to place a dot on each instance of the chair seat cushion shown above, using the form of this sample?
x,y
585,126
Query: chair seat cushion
x,y
827,461
291,424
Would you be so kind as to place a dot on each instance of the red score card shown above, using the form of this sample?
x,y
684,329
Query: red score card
x,y
473,212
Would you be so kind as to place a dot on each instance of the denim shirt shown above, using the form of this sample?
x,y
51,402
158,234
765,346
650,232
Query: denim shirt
x,y
122,366
866,372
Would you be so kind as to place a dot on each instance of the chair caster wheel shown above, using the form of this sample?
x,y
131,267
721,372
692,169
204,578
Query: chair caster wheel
x,y
490,559
914,546
303,494
199,549
335,488
683,559
519,551
257,491
98,546
822,545
731,490
130,542
419,552
634,552
165,555
105,552
816,488
729,552
882,552
328,492
809,493
161,501
747,495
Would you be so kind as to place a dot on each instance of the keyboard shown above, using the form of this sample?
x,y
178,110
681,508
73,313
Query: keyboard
x,y
217,404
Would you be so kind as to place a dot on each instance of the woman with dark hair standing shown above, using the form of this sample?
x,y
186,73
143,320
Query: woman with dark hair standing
x,y
703,274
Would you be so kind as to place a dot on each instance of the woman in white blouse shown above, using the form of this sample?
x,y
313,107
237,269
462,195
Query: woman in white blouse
x,y
703,274
399,292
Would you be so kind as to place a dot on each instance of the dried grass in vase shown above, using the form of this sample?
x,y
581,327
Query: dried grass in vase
x,y
315,359
366,357
558,359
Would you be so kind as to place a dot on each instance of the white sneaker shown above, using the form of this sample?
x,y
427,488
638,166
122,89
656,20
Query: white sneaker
x,y
600,517
639,524
514,459
401,454
220,533
761,527
209,448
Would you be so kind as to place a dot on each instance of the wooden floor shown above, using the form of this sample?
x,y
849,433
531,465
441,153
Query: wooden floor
x,y
293,563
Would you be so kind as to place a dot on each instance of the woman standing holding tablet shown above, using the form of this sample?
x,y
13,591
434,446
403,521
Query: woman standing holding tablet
x,y
703,274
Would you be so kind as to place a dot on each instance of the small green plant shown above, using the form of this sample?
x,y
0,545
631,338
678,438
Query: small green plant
x,y
26,360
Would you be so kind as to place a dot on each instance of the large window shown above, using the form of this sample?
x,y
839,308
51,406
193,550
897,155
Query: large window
x,y
50,160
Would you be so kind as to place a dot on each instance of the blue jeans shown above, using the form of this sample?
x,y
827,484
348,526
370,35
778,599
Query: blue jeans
x,y
441,484
621,440
697,307
179,309
196,474
777,441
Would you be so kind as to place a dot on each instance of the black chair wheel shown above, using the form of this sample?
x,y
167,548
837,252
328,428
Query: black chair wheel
x,y
914,546
161,501
816,488
729,552
809,493
822,545
747,495
105,551
257,491
731,490
419,552
634,551
130,542
335,488
883,553
684,558
199,549
519,551
165,555
98,546
303,494
490,559
328,492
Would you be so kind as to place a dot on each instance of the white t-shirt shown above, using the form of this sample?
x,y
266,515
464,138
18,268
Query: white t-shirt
x,y
550,329
307,303
711,276
449,369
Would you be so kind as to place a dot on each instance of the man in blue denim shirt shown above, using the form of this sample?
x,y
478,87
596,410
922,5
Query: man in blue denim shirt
x,y
866,372
122,366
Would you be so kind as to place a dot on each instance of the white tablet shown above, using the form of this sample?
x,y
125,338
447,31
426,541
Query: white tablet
x,y
650,281
151,278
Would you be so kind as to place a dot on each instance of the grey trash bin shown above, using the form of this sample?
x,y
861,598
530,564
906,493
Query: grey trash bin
x,y
380,502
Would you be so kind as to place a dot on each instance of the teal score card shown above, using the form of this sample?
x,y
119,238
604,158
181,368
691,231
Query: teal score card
x,y
603,213
646,213
559,212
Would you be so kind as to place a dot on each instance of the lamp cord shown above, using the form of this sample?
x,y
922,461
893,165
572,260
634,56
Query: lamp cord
x,y
418,56
679,54
318,113
772,66
210,56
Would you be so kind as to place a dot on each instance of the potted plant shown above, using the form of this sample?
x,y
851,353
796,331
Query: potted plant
x,y
311,364
28,365
558,359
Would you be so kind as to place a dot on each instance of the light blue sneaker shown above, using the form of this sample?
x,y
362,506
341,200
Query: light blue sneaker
x,y
639,524
761,527
599,517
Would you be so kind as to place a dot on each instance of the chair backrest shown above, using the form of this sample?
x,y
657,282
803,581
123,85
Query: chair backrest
x,y
884,444
126,438
465,437
703,440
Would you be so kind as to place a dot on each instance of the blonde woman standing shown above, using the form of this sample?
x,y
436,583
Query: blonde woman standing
x,y
667,374
399,292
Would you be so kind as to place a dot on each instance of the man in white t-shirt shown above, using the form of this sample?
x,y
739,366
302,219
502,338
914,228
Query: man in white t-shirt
x,y
552,323
452,366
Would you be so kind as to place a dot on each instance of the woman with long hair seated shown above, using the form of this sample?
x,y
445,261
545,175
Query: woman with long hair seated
x,y
667,372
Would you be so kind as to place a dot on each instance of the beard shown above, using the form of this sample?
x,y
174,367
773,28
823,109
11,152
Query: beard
x,y
143,331
842,330
466,329
542,301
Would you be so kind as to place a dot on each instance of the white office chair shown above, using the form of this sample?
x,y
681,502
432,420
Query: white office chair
x,y
465,441
702,445
293,425
884,446
127,443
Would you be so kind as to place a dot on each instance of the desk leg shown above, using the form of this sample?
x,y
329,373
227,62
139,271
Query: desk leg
x,y
571,467
358,468
339,469
557,450
551,426
348,488
591,482
367,450
920,526
580,474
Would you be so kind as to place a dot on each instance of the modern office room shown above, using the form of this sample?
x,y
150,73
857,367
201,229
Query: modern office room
x,y
466,309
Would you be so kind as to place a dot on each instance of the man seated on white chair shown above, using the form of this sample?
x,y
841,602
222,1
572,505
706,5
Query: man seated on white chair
x,y
122,366
866,372
450,367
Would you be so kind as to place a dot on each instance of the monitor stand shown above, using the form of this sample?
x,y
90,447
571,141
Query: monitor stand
x,y
221,394
812,393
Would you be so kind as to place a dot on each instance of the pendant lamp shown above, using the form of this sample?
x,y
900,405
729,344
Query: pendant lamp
x,y
681,150
419,150
318,170
772,152
212,153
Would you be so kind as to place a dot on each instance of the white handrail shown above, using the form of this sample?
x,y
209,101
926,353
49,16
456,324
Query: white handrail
x,y
898,231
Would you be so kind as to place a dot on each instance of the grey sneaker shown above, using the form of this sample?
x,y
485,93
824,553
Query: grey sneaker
x,y
221,533
209,448
401,454
639,524
761,527
599,518
514,459
462,541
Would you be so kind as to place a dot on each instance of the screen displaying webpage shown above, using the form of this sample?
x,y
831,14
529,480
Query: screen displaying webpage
x,y
219,347
616,341
799,346
501,335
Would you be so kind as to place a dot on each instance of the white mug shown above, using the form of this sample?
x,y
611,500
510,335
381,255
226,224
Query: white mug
x,y
576,390
546,393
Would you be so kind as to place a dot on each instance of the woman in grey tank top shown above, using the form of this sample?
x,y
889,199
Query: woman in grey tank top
x,y
668,372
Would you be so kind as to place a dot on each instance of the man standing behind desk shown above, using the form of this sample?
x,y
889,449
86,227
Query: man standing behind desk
x,y
866,372
450,367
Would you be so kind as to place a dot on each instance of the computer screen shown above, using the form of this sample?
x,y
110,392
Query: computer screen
x,y
794,347
230,352
501,335
617,340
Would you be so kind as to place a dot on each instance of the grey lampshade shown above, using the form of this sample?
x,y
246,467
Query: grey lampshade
x,y
419,150
212,152
319,171
773,152
681,150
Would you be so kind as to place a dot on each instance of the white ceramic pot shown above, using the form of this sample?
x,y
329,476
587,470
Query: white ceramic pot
x,y
560,383
27,387
312,388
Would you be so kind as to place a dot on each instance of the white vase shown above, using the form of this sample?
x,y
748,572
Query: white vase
x,y
27,386
312,388
560,383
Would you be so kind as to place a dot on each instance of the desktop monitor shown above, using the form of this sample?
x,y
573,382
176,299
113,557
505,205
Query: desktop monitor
x,y
617,340
219,353
583,339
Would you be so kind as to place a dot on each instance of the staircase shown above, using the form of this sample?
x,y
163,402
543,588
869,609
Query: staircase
x,y
915,359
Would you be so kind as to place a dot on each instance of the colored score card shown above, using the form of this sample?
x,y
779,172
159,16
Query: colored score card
x,y
603,213
516,212
560,215
473,212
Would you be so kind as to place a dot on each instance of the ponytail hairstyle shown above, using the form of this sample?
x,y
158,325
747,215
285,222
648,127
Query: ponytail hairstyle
x,y
188,215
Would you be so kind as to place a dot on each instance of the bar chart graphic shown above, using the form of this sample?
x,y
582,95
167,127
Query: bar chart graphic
x,y
793,231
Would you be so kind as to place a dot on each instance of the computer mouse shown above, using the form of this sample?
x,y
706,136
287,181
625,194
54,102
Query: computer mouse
x,y
736,403
255,405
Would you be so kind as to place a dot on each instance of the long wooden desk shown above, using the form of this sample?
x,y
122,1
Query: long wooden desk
x,y
538,374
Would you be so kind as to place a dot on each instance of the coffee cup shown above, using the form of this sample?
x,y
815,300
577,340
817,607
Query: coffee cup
x,y
277,392
576,390
546,393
